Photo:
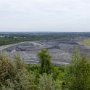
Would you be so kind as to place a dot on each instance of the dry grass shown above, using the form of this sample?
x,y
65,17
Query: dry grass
x,y
86,41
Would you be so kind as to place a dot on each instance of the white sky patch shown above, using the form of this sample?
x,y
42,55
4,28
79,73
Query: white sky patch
x,y
45,15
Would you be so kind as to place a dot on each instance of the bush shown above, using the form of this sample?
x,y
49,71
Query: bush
x,y
78,73
46,82
14,76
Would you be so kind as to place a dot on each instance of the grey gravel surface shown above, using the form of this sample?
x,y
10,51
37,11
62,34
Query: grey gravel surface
x,y
61,51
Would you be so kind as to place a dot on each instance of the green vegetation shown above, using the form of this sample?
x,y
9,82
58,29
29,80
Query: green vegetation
x,y
10,38
45,61
16,75
78,73
21,38
86,41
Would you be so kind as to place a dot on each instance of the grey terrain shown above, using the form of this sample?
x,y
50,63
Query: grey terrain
x,y
61,51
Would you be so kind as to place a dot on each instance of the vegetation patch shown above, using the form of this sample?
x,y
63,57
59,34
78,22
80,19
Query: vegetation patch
x,y
16,75
86,41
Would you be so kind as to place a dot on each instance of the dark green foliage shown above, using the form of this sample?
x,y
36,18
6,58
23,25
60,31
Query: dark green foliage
x,y
34,69
45,61
15,38
78,73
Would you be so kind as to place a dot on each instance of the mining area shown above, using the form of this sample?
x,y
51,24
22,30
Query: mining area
x,y
60,51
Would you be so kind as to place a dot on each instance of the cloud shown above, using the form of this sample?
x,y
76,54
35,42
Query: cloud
x,y
67,15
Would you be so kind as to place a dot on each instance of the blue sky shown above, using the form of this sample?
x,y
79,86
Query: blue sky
x,y
45,15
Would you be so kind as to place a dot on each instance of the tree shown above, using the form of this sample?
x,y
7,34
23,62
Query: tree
x,y
45,61
78,73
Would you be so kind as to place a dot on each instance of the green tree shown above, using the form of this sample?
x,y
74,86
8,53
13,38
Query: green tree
x,y
78,73
45,61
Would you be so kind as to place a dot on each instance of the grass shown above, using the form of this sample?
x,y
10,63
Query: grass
x,y
86,41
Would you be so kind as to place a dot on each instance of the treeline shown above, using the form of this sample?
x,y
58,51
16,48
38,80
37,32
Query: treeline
x,y
15,39
10,38
16,75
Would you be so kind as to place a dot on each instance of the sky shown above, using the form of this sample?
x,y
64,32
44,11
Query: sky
x,y
45,15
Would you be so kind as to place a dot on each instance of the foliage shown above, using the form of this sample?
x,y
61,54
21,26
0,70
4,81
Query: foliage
x,y
78,73
16,75
11,38
45,61
46,82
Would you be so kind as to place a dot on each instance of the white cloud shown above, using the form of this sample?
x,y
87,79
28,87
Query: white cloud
x,y
48,15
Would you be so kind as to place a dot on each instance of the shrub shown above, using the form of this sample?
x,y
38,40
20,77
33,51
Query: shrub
x,y
78,73
14,76
46,82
